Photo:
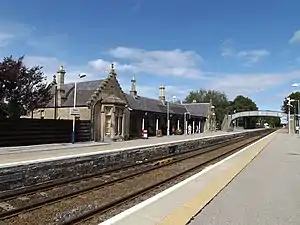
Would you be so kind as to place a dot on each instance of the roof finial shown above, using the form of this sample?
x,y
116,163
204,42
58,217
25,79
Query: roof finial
x,y
54,79
61,70
133,79
112,72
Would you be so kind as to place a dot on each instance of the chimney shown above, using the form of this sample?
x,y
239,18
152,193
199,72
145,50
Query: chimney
x,y
133,91
162,94
60,77
60,82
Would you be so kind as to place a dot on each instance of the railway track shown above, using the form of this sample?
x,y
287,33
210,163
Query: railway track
x,y
63,208
62,182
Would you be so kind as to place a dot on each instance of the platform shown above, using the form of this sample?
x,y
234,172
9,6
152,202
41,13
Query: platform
x,y
266,192
10,156
234,191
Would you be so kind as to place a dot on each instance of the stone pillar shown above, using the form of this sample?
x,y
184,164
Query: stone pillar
x,y
119,125
102,124
113,124
186,127
199,125
143,123
157,124
123,124
178,124
193,131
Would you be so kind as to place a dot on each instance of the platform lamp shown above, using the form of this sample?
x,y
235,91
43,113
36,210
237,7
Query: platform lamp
x,y
298,111
54,83
168,115
79,76
289,111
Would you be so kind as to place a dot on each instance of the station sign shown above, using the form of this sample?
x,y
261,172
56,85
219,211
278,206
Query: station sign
x,y
74,112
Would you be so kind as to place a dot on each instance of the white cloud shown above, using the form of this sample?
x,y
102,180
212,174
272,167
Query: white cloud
x,y
153,91
10,31
48,44
50,64
296,37
252,56
248,56
227,49
5,38
165,63
244,84
99,65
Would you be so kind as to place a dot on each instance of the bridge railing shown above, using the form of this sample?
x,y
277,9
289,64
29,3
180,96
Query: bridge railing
x,y
229,118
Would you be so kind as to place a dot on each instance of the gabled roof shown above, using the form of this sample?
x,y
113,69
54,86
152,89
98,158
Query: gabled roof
x,y
198,108
84,92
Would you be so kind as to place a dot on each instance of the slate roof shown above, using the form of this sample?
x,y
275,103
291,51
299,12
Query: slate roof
x,y
153,105
86,89
198,108
84,92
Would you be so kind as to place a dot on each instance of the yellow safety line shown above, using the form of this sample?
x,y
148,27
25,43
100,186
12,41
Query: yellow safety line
x,y
190,208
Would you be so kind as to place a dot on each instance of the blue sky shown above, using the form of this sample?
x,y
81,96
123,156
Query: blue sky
x,y
239,47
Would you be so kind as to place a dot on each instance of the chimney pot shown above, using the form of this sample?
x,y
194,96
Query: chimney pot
x,y
162,95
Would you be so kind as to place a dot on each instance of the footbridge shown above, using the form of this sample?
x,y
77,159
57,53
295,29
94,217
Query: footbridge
x,y
228,119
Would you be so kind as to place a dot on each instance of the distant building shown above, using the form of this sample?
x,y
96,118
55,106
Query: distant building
x,y
115,114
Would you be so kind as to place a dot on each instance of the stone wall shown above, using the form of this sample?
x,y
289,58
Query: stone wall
x,y
28,175
62,113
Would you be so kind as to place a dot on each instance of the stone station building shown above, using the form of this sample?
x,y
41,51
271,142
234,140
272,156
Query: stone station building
x,y
115,114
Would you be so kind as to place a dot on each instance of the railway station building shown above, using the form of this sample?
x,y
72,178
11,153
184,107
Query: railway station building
x,y
116,115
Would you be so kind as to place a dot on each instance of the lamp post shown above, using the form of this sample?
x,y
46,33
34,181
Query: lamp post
x,y
289,111
212,118
168,115
74,107
55,96
298,111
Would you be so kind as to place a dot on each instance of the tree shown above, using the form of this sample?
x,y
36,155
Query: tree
x,y
219,100
295,96
273,121
242,104
22,89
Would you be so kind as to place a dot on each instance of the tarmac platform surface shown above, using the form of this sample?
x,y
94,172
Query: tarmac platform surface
x,y
259,185
267,192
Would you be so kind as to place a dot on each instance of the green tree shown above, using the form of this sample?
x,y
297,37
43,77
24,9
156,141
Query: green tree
x,y
22,89
295,96
219,100
273,121
242,104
